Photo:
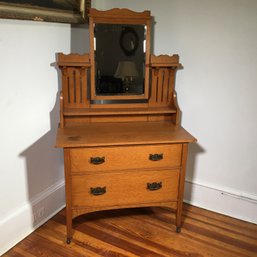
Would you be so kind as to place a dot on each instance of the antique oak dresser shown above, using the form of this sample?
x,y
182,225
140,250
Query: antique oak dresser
x,y
120,121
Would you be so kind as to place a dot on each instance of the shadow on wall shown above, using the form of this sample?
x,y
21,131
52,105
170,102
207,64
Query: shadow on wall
x,y
44,163
193,151
79,38
45,174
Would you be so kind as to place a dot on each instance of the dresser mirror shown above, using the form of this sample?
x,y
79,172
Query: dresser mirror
x,y
119,57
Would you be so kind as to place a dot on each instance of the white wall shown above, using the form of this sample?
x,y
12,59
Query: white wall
x,y
217,44
31,184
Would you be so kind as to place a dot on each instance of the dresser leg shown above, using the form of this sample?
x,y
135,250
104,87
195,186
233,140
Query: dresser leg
x,y
68,195
69,232
68,227
178,219
178,229
181,188
68,223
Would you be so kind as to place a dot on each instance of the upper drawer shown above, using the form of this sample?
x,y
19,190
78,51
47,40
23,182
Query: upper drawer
x,y
129,157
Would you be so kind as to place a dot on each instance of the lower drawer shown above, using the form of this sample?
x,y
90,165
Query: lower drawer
x,y
124,188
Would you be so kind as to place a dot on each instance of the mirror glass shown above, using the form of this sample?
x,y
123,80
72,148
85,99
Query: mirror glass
x,y
119,59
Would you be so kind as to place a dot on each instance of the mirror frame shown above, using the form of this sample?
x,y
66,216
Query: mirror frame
x,y
119,16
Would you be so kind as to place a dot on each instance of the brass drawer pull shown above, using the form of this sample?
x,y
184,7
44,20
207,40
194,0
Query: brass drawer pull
x,y
97,160
98,190
156,157
154,186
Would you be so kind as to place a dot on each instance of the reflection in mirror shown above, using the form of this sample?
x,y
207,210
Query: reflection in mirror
x,y
119,59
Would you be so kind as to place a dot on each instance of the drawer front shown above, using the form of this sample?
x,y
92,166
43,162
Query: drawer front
x,y
124,188
121,158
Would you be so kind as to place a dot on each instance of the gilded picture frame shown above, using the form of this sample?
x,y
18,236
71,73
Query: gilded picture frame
x,y
63,11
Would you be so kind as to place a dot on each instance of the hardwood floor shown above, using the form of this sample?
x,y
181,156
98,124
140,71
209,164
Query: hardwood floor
x,y
143,232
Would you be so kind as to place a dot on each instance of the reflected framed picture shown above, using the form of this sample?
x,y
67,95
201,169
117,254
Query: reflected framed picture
x,y
64,11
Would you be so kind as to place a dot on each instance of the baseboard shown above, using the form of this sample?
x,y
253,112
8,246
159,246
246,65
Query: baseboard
x,y
222,200
31,215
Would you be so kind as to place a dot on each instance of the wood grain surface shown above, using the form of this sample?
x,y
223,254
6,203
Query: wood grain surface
x,y
125,133
144,232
